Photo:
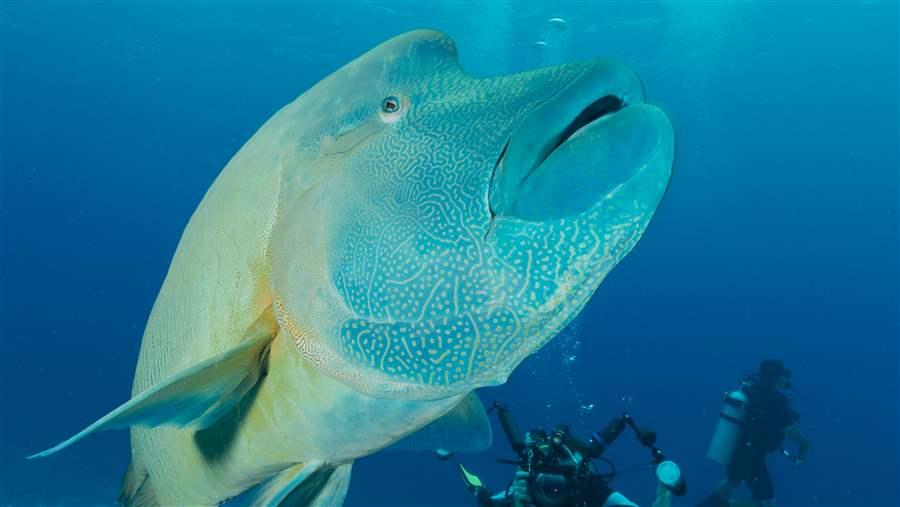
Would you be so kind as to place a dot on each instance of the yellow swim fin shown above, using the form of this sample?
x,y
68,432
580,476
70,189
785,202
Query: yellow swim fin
x,y
472,481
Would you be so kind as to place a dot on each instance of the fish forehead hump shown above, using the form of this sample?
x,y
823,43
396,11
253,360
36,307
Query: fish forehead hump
x,y
223,254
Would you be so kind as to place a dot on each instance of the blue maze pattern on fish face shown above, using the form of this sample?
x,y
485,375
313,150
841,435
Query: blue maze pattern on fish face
x,y
431,294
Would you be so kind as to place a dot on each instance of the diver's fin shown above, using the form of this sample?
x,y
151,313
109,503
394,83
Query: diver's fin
x,y
197,396
473,482
136,488
465,428
311,484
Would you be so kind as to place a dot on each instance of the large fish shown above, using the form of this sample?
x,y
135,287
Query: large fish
x,y
398,236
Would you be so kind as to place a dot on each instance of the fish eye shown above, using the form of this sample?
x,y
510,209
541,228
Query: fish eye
x,y
390,104
393,108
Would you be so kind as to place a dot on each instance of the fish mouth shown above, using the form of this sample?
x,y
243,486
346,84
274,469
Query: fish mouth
x,y
601,107
592,136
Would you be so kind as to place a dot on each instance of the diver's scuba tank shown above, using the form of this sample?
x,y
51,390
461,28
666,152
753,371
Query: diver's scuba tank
x,y
728,429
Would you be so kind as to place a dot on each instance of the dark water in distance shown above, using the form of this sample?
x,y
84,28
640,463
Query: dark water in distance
x,y
778,235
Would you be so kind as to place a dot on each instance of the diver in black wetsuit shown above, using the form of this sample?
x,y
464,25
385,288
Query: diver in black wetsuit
x,y
768,420
597,493
556,470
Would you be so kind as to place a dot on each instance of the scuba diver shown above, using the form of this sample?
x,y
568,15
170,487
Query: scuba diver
x,y
754,423
557,470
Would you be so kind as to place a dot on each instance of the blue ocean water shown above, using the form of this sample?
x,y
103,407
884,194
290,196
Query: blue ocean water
x,y
777,237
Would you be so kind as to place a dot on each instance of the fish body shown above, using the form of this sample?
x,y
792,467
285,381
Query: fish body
x,y
398,236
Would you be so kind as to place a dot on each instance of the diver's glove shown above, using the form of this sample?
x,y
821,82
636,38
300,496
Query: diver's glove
x,y
521,495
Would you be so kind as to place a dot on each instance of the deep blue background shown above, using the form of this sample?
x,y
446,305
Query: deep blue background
x,y
778,236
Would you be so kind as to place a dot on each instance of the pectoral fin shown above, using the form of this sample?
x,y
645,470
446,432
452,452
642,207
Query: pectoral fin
x,y
312,484
465,428
197,396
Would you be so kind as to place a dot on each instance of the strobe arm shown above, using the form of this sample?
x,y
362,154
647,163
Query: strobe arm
x,y
646,437
510,429
598,443
668,472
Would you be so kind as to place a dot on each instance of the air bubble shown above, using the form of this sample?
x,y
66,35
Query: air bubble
x,y
558,24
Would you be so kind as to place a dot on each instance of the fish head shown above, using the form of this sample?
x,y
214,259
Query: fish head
x,y
434,228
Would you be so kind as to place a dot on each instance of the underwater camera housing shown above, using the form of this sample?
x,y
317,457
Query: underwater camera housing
x,y
560,467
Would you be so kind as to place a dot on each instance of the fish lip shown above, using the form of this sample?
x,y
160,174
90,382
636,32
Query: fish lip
x,y
605,106
577,124
596,91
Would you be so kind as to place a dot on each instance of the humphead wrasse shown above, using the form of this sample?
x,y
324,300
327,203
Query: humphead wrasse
x,y
396,237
